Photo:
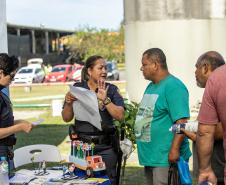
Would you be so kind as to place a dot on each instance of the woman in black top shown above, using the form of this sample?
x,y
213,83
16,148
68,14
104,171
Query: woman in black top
x,y
8,127
111,106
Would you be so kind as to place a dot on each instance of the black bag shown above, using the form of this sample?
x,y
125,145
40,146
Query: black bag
x,y
173,175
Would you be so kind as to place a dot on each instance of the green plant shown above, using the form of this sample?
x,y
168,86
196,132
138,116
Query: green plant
x,y
127,124
126,130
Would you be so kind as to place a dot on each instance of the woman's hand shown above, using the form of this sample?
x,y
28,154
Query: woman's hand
x,y
24,126
102,90
69,98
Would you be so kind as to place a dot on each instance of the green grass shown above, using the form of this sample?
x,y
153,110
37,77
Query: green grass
x,y
35,96
37,91
47,116
133,175
17,93
53,131
54,134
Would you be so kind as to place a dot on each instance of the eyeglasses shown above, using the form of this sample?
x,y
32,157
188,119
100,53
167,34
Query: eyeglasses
x,y
12,75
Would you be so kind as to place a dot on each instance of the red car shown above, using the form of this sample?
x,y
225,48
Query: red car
x,y
76,73
59,73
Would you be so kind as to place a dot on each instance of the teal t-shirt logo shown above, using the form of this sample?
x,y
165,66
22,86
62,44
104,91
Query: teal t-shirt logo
x,y
144,117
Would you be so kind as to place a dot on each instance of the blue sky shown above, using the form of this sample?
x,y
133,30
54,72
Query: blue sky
x,y
66,14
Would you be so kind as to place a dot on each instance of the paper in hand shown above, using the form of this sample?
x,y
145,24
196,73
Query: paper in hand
x,y
86,106
37,122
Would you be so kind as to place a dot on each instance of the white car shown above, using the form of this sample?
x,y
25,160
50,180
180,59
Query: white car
x,y
30,74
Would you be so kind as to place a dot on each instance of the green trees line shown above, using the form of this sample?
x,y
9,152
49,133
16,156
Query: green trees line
x,y
91,41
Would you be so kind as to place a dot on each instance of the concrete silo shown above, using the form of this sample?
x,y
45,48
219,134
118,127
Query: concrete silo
x,y
3,29
183,29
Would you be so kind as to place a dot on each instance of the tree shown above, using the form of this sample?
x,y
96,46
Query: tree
x,y
87,42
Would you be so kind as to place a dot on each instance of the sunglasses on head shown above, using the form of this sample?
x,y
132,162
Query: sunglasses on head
x,y
11,74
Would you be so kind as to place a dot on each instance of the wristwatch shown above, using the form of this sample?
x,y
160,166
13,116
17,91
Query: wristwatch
x,y
107,101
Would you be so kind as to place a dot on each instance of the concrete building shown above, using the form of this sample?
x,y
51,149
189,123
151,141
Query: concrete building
x,y
3,31
29,41
183,29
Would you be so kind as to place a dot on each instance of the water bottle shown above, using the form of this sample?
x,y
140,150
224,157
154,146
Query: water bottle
x,y
191,126
4,170
205,183
176,128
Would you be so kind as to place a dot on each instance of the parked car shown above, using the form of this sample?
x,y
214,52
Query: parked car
x,y
59,73
35,61
78,66
76,73
112,71
30,74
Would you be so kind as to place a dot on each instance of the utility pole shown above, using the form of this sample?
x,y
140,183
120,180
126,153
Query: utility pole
x,y
3,34
3,27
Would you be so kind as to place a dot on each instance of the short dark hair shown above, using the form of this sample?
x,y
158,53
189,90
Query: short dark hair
x,y
213,58
8,64
157,54
90,63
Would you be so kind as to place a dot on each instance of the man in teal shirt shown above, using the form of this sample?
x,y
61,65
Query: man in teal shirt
x,y
164,103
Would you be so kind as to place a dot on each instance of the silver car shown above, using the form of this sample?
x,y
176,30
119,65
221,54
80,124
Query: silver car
x,y
30,74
